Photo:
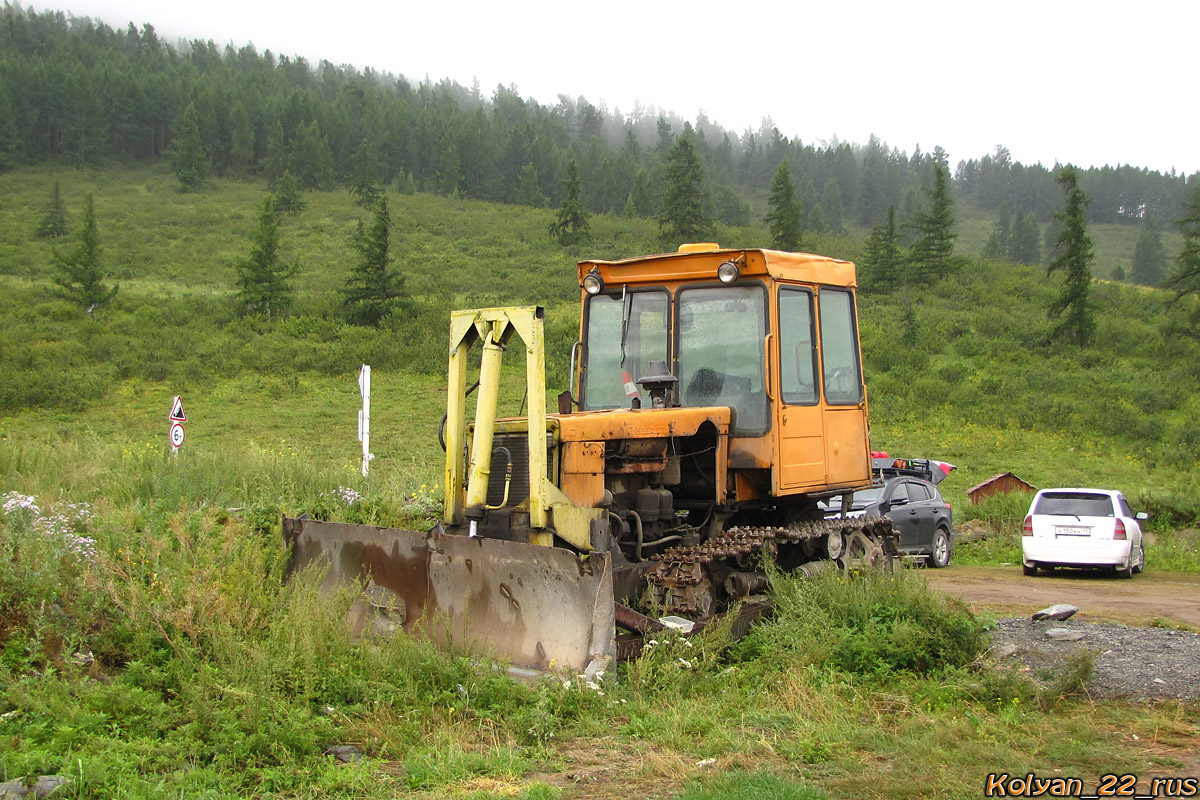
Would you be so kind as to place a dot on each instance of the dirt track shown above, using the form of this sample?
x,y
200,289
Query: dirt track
x,y
1101,597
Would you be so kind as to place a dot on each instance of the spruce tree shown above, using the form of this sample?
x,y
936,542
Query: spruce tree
x,y
8,132
188,159
263,278
932,250
372,291
1073,306
529,188
1185,275
364,178
570,225
241,139
641,202
313,159
998,244
684,215
883,260
79,276
785,212
1149,257
287,194
277,158
1025,243
54,217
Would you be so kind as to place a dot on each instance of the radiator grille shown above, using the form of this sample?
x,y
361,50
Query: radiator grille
x,y
518,445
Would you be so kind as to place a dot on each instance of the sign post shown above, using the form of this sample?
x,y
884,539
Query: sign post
x,y
175,432
364,416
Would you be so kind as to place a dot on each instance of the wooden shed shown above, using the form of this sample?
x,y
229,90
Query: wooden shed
x,y
999,484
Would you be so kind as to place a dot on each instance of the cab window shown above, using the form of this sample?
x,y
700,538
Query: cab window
x,y
797,355
622,336
839,348
720,356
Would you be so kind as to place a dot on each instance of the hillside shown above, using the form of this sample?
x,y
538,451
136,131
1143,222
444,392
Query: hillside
x,y
153,646
962,369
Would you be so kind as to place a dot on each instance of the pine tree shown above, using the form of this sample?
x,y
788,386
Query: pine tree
x,y
785,211
1149,257
932,250
1185,275
1025,243
188,158
883,260
570,225
263,279
684,215
80,278
372,291
54,217
1074,258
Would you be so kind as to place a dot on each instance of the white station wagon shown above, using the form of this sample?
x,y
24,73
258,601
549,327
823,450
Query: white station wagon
x,y
1082,528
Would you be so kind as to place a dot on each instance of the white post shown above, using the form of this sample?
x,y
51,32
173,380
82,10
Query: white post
x,y
364,416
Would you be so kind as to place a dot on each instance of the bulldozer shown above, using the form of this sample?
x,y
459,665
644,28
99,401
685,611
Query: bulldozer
x,y
716,397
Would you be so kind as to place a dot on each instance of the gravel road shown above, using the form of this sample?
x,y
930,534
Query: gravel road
x,y
1139,631
1130,662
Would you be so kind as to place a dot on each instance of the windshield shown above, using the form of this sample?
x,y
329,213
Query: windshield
x,y
721,333
623,336
861,499
866,497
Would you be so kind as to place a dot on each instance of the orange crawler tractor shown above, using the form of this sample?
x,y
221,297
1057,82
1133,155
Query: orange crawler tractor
x,y
717,396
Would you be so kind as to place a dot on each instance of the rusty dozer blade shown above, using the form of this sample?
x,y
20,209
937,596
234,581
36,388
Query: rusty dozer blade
x,y
541,608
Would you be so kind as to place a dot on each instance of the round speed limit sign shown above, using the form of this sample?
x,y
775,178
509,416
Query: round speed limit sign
x,y
176,435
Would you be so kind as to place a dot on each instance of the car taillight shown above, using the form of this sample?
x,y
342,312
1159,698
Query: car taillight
x,y
1027,530
1119,530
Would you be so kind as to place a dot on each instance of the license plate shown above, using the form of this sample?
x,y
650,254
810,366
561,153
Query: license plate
x,y
1067,530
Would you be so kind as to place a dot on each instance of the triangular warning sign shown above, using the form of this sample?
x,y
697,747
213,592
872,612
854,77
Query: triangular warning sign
x,y
177,414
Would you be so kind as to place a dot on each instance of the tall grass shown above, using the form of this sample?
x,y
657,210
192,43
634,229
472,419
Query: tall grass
x,y
867,624
171,658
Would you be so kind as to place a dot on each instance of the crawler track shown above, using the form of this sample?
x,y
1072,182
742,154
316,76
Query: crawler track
x,y
682,577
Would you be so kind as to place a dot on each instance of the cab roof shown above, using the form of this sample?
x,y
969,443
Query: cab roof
x,y
699,262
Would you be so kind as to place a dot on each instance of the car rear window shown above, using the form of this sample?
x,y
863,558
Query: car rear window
x,y
1080,504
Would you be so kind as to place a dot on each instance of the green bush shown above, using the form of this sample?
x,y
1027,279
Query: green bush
x,y
868,623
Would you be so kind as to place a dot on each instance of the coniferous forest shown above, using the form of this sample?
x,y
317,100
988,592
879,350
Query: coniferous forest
x,y
77,90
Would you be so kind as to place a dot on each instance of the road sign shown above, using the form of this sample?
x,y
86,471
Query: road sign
x,y
176,435
177,414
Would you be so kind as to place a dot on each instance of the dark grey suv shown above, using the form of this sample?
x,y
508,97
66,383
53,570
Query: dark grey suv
x,y
916,508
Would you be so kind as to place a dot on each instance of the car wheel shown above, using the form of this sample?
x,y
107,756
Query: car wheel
x,y
1028,570
940,556
1141,564
1127,570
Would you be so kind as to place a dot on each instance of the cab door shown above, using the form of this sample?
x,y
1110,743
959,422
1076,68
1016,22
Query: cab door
x,y
801,426
847,449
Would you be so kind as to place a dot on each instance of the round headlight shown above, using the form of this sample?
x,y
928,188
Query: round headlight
x,y
728,272
593,283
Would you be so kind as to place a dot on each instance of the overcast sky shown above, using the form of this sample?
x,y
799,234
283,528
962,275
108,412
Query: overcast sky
x,y
1090,83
